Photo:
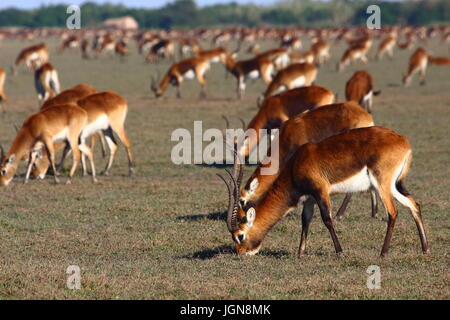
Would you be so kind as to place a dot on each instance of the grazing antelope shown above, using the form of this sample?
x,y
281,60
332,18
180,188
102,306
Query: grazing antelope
x,y
249,69
359,88
163,49
387,46
277,109
354,161
187,46
353,53
2,89
104,43
33,57
187,69
213,55
417,63
121,49
54,124
70,96
294,76
321,51
106,112
312,126
46,82
71,42
302,57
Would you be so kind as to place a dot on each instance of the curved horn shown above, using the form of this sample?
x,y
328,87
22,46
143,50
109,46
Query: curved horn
x,y
232,210
243,123
2,154
227,122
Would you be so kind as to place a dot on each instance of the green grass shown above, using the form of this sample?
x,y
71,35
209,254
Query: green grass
x,y
160,235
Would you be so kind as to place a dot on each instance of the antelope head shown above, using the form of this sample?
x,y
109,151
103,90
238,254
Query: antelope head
x,y
240,221
7,168
154,87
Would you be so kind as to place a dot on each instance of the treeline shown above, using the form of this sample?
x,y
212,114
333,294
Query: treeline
x,y
186,14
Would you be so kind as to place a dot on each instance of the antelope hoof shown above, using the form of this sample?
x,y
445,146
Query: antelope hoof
x,y
69,181
56,180
131,172
94,180
105,173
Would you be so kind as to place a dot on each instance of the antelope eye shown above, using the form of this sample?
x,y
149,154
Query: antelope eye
x,y
241,237
3,172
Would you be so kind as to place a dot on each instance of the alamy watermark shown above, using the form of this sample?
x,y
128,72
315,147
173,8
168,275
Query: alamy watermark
x,y
374,279
252,145
74,279
374,21
74,20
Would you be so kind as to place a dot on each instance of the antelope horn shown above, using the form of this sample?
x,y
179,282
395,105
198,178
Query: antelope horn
x,y
227,122
231,212
243,123
2,154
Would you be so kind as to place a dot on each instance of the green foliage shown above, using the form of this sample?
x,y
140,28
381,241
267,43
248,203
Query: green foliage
x,y
186,14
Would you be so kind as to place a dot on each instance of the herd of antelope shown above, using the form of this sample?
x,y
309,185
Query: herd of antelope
x,y
325,147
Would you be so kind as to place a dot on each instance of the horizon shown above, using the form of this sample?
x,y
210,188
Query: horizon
x,y
33,4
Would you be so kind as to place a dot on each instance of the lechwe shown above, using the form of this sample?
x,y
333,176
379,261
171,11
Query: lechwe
x,y
357,160
277,109
418,62
295,76
43,129
312,126
359,88
106,112
33,57
46,82
187,69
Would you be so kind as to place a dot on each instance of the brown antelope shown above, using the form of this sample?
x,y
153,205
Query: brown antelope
x,y
104,43
312,126
279,57
70,96
353,53
249,69
321,51
294,76
387,46
187,69
302,57
359,88
213,55
277,109
54,124
188,46
46,82
417,63
72,41
2,89
163,49
106,112
354,161
33,56
120,48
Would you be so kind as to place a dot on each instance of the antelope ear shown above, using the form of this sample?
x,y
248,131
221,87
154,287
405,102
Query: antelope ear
x,y
251,215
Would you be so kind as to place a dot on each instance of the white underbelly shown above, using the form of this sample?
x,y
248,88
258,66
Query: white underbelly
x,y
189,75
61,136
215,60
299,82
101,123
253,75
358,182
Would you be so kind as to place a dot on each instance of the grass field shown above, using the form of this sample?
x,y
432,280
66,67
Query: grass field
x,y
161,234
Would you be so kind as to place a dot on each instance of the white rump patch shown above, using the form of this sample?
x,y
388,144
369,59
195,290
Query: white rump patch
x,y
61,136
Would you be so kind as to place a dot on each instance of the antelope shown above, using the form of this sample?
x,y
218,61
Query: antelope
x,y
33,56
162,49
214,55
302,57
120,48
2,90
357,160
312,126
295,76
186,69
417,63
54,124
106,112
353,53
71,42
279,57
359,88
321,51
70,96
46,82
291,43
277,109
387,45
187,46
252,68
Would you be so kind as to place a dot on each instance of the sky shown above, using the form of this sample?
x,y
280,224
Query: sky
x,y
28,4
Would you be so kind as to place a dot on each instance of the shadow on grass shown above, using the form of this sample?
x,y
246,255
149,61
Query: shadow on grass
x,y
207,254
220,216
393,85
